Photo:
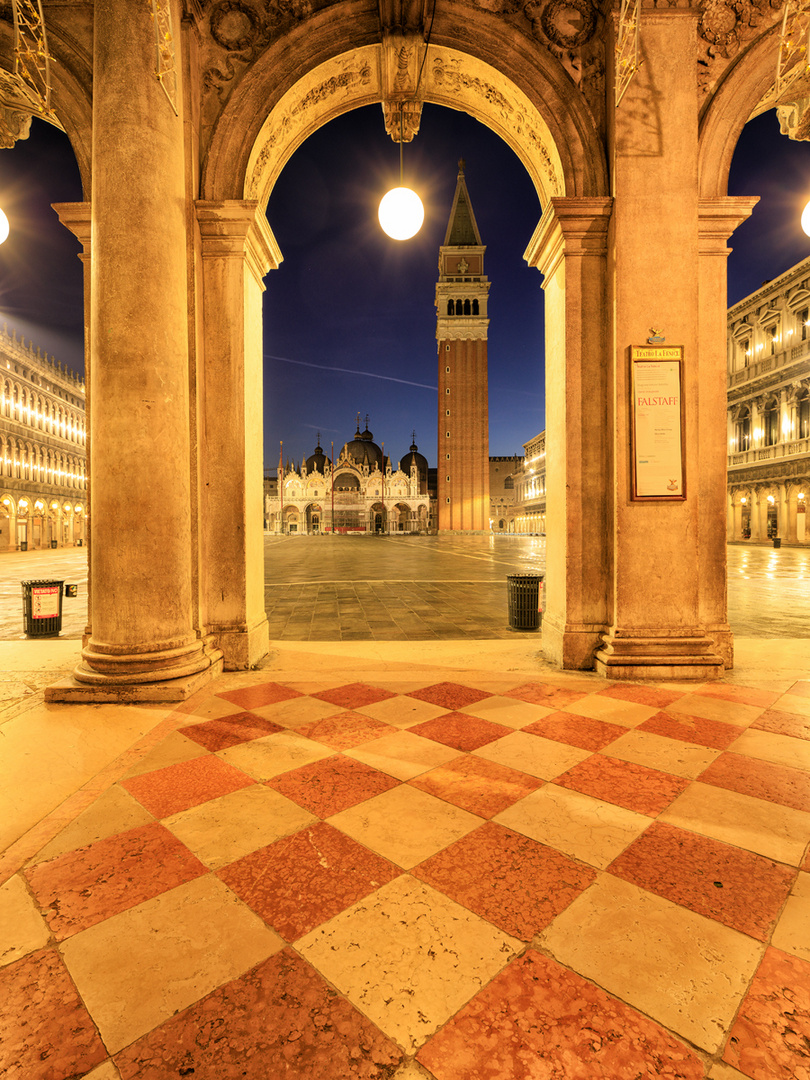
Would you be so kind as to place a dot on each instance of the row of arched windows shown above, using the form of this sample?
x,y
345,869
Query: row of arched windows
x,y
39,412
462,307
22,461
770,430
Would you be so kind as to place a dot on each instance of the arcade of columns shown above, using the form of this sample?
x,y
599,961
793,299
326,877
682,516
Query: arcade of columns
x,y
633,235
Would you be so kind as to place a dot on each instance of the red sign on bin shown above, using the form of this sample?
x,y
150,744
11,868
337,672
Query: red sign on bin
x,y
45,601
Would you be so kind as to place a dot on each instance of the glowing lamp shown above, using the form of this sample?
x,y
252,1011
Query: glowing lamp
x,y
4,227
806,219
401,213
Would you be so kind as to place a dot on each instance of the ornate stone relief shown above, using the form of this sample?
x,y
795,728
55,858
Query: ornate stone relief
x,y
727,26
402,56
14,125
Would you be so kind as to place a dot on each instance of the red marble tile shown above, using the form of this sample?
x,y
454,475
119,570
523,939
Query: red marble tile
x,y
344,730
254,697
692,729
545,694
475,784
230,730
461,731
784,723
742,695
800,688
448,695
334,784
45,1031
186,784
762,779
537,1021
771,1035
278,1021
354,695
508,879
300,881
735,887
635,787
642,695
579,731
86,886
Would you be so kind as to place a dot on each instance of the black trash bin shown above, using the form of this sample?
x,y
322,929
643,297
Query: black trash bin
x,y
524,601
42,608
777,541
23,545
54,543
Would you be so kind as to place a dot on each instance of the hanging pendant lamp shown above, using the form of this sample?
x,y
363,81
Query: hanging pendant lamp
x,y
401,212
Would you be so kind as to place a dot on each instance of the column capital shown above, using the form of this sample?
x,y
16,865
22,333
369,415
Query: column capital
x,y
234,228
76,216
575,226
718,218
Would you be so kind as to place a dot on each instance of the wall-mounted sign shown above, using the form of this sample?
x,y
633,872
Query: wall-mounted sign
x,y
657,422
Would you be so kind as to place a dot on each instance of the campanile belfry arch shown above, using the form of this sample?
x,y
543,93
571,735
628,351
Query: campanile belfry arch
x,y
630,163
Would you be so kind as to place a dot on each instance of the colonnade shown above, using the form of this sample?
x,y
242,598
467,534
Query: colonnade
x,y
767,511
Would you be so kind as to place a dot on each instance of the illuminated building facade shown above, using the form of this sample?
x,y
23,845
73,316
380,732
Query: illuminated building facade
x,y
528,515
461,331
502,491
362,494
43,479
769,411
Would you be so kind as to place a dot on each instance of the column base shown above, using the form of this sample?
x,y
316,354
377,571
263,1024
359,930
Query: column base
x,y
571,647
115,690
667,656
242,646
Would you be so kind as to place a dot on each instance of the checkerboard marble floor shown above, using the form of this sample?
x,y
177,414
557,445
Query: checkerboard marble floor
x,y
484,879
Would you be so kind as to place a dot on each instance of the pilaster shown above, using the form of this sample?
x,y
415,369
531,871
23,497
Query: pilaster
x,y
238,249
569,248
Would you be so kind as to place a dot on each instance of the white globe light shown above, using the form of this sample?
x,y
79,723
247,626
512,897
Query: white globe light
x,y
3,227
401,213
806,219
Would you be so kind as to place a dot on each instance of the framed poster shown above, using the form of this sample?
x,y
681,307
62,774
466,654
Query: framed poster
x,y
657,422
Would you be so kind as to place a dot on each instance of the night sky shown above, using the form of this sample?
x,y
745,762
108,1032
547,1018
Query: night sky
x,y
349,316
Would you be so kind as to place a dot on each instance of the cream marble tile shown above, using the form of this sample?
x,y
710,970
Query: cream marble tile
x,y
113,812
588,829
793,703
223,830
721,1071
57,749
138,968
402,712
768,746
685,971
508,711
778,832
533,754
107,1071
405,825
274,754
403,754
667,755
22,928
628,713
792,933
173,749
297,711
408,957
412,1070
715,708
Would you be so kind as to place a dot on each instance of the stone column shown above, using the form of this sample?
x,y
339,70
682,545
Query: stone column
x,y
756,505
144,644
732,519
717,220
77,218
569,248
238,249
790,507
666,554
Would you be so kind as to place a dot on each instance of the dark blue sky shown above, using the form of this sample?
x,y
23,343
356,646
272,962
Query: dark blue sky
x,y
349,316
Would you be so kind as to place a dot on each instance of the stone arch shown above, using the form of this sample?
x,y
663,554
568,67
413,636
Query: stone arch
x,y
524,95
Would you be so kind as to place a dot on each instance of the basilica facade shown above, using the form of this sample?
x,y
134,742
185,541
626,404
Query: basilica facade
x,y
43,435
360,493
769,411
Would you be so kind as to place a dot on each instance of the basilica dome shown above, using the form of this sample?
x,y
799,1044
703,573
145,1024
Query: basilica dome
x,y
413,457
363,450
317,461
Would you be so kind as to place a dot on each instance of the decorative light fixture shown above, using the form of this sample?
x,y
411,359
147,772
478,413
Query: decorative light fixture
x,y
401,212
806,219
4,227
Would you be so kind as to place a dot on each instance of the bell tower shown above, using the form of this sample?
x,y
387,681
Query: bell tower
x,y
461,331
